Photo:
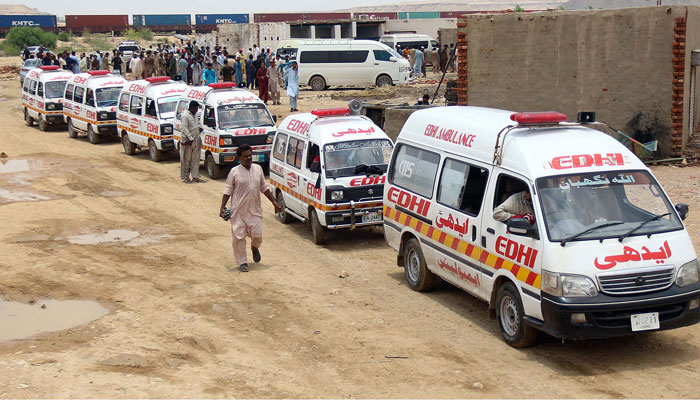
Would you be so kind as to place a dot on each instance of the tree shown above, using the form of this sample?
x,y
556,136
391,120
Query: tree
x,y
20,37
518,8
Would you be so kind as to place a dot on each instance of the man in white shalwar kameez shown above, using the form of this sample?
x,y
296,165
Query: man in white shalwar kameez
x,y
244,184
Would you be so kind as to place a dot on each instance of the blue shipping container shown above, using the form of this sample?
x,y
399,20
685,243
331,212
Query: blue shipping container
x,y
9,21
162,20
217,19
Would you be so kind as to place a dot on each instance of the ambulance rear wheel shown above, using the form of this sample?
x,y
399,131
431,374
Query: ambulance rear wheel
x,y
213,169
27,118
72,133
283,216
418,276
129,147
43,126
510,314
93,137
317,83
156,155
318,231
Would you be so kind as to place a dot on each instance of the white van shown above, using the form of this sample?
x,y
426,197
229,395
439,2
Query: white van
x,y
90,104
605,255
409,41
350,62
145,115
230,117
42,95
330,167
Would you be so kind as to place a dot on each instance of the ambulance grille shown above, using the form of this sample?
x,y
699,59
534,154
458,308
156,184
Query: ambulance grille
x,y
253,140
636,281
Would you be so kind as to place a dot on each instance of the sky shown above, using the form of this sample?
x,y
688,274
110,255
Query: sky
x,y
130,7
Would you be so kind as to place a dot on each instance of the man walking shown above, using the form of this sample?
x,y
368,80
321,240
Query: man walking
x,y
244,184
418,63
190,145
291,75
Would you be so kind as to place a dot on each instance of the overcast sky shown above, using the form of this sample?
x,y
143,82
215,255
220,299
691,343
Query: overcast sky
x,y
130,7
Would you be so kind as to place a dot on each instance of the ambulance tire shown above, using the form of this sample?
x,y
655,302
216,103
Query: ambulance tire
x,y
317,83
510,315
213,169
129,146
72,133
318,230
28,119
283,215
93,137
156,155
384,80
418,276
43,126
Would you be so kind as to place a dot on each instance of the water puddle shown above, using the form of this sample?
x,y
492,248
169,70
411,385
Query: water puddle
x,y
14,166
9,196
112,236
19,320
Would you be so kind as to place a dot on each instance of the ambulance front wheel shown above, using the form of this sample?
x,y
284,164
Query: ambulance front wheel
x,y
93,137
43,126
28,119
318,231
213,169
510,315
129,147
72,133
156,155
418,276
384,80
317,83
283,215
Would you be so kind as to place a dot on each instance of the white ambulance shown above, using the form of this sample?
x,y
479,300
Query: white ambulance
x,y
329,167
605,255
230,117
145,115
42,95
90,104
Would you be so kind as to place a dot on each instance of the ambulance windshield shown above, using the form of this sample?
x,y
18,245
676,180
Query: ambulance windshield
x,y
360,157
54,89
234,116
108,97
167,106
616,201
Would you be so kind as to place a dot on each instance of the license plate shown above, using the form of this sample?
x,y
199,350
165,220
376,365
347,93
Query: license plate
x,y
371,217
644,322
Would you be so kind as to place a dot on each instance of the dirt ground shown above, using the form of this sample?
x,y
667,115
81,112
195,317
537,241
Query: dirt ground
x,y
309,321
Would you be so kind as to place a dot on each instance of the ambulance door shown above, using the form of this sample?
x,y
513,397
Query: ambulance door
x,y
292,175
123,113
458,205
90,111
68,102
278,161
135,121
177,123
33,99
79,108
308,178
210,135
515,256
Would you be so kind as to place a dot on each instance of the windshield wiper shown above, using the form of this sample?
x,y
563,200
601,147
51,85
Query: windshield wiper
x,y
587,230
638,227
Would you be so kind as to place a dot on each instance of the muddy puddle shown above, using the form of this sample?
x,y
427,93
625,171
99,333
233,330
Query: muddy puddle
x,y
20,321
14,166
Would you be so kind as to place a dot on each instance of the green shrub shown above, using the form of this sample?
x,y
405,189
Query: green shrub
x,y
23,36
146,34
518,8
65,36
131,34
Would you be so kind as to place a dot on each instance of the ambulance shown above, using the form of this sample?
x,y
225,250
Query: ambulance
x,y
90,104
329,167
230,117
606,253
42,95
145,115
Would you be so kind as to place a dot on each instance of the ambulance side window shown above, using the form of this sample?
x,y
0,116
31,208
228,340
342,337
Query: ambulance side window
x,y
462,186
32,88
90,98
40,90
150,107
136,105
124,102
25,87
78,96
181,107
314,151
414,169
69,92
280,146
506,187
294,152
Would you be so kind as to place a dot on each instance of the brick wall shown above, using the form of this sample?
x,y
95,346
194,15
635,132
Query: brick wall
x,y
677,103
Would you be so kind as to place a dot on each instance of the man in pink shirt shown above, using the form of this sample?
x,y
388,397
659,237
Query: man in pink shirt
x,y
244,184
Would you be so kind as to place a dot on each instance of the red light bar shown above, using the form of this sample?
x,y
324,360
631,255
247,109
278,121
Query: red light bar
x,y
331,112
98,73
538,118
49,67
222,85
158,79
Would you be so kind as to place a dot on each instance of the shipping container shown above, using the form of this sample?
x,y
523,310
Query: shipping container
x,y
375,15
455,14
218,19
321,16
279,17
164,22
46,22
97,23
423,14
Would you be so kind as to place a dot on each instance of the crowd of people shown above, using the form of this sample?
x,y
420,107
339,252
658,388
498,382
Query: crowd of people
x,y
195,65
420,58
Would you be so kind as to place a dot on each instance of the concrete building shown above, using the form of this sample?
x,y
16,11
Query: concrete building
x,y
428,27
337,29
633,67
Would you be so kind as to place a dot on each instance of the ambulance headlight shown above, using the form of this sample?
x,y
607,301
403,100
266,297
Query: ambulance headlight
x,y
50,106
404,69
166,129
564,285
688,273
337,195
227,141
270,137
103,116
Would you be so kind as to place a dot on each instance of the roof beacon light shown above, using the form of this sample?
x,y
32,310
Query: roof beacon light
x,y
538,118
331,112
222,85
49,67
98,73
158,79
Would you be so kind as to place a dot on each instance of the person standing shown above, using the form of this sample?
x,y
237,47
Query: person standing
x,y
275,80
182,68
250,73
443,60
197,72
75,63
95,64
83,63
135,66
172,67
262,76
418,63
105,62
291,75
227,72
209,75
117,64
243,186
161,65
149,65
190,145
238,72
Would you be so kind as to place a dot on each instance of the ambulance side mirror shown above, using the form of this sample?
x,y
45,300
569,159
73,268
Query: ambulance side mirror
x,y
392,59
682,209
522,227
315,167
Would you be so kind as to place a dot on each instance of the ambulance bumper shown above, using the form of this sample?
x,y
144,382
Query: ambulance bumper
x,y
259,157
608,316
167,145
54,118
107,129
355,217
